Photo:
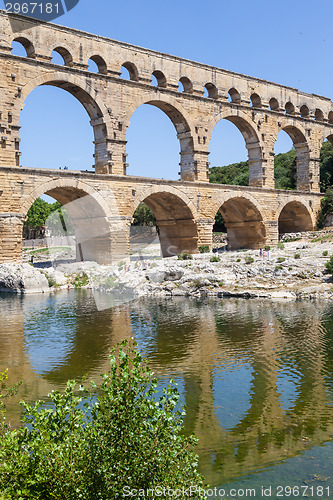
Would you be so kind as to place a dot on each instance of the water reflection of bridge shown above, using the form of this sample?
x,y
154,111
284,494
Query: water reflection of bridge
x,y
278,354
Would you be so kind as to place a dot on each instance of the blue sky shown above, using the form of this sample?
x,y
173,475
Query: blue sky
x,y
286,42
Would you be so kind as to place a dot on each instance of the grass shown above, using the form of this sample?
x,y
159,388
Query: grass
x,y
280,259
185,256
49,250
203,249
297,256
215,258
249,260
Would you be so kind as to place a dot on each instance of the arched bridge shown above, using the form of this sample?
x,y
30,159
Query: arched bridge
x,y
185,209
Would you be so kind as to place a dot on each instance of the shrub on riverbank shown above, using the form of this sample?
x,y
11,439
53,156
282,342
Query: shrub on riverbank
x,y
93,445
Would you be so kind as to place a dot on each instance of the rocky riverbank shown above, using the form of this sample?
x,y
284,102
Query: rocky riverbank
x,y
294,270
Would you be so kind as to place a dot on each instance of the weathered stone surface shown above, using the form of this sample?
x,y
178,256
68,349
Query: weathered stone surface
x,y
184,210
22,278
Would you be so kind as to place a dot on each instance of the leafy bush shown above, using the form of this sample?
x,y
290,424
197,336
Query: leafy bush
x,y
185,256
325,253
238,260
297,256
329,265
203,249
267,248
278,268
81,280
280,245
92,446
326,208
280,259
215,258
249,260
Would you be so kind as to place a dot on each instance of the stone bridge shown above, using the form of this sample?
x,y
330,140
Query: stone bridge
x,y
195,97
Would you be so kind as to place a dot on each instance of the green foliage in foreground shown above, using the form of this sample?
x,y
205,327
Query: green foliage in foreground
x,y
90,447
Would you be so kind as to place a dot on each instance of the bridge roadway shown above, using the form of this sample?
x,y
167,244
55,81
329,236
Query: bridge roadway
x,y
101,207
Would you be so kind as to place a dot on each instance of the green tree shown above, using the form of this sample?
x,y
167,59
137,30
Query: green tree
x,y
326,166
326,208
143,216
92,445
285,170
38,213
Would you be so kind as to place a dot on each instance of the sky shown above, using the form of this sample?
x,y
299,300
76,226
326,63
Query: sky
x,y
281,41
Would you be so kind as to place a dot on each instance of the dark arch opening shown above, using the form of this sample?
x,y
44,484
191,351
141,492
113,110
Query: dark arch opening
x,y
244,224
152,146
304,111
330,117
177,228
55,138
274,104
185,85
289,108
97,65
319,115
83,226
129,71
65,58
212,91
294,217
23,47
158,79
234,96
255,101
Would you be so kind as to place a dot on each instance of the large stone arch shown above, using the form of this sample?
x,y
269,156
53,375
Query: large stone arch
x,y
90,100
175,216
294,217
245,125
181,120
91,214
298,136
244,220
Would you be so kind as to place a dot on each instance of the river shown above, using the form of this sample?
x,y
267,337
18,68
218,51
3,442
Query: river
x,y
256,376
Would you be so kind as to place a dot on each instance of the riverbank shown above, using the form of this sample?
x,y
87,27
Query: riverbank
x,y
294,270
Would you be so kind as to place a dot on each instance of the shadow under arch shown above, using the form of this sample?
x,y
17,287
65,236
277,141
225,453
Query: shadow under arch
x,y
175,221
184,134
295,217
89,214
302,155
252,145
244,223
91,103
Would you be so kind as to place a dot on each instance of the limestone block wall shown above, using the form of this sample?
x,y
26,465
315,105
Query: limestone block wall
x,y
102,206
258,108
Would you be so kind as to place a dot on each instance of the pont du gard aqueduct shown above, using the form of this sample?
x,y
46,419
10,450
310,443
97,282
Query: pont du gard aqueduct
x,y
185,209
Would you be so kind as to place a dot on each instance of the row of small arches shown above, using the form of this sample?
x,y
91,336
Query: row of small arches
x,y
129,71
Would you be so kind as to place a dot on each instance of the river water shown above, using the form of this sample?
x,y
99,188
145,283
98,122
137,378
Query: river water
x,y
256,376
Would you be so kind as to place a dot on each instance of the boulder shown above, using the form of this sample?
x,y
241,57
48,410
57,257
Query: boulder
x,y
22,278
